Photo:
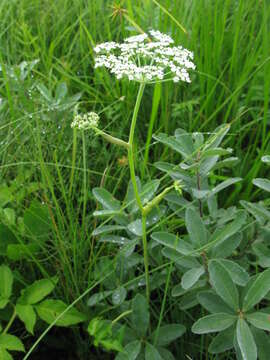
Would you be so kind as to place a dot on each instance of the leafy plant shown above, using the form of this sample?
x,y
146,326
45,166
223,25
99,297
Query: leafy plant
x,y
27,307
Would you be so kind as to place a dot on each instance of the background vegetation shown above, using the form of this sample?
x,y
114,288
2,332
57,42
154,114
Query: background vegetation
x,y
48,173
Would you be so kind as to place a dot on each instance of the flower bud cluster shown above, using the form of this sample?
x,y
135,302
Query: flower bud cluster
x,y
85,121
146,58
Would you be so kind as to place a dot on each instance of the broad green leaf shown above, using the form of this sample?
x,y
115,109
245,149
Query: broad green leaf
x,y
6,282
260,213
50,310
212,206
151,353
223,284
266,159
172,242
217,136
4,355
61,91
226,248
152,218
237,273
195,227
260,320
3,302
10,216
37,220
178,290
100,328
6,195
131,351
227,163
224,185
198,139
105,213
37,291
245,340
189,300
213,323
98,297
222,342
130,199
174,143
128,249
165,354
140,314
213,303
168,333
106,199
27,315
216,151
115,239
11,342
185,261
207,165
262,341
262,184
228,230
148,190
16,252
112,345
44,92
191,277
185,140
6,237
103,335
119,296
176,173
258,290
263,252
107,229
135,227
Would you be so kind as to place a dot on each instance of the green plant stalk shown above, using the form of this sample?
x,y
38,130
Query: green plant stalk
x,y
74,151
135,187
130,142
155,106
11,320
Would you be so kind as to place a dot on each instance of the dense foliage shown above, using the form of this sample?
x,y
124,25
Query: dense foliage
x,y
145,235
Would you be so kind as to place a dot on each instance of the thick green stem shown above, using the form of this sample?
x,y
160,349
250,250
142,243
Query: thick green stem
x,y
131,150
135,186
155,106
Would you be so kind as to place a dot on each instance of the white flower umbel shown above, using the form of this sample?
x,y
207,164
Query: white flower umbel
x,y
85,121
146,58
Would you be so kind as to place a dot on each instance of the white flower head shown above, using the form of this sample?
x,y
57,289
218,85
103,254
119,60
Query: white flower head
x,y
146,58
85,121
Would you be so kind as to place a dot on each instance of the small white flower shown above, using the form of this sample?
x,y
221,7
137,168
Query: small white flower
x,y
136,38
85,121
146,58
